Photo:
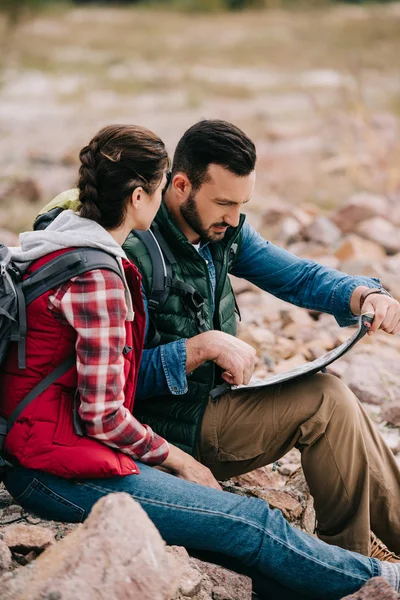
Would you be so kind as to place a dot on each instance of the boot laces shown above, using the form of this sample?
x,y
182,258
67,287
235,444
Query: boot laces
x,y
380,551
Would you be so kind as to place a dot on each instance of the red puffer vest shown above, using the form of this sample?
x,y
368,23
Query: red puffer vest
x,y
43,437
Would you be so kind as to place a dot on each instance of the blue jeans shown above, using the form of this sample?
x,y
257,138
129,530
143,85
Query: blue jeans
x,y
287,563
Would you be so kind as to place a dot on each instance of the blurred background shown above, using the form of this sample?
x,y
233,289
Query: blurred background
x,y
316,85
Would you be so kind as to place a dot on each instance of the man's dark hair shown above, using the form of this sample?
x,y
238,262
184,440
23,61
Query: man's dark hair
x,y
213,142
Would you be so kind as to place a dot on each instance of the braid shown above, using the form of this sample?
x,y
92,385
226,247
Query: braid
x,y
116,161
87,184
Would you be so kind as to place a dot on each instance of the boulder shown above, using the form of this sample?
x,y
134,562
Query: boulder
x,y
391,413
262,478
382,232
322,231
354,247
24,538
373,378
226,584
285,502
376,588
117,554
5,557
21,189
201,580
358,208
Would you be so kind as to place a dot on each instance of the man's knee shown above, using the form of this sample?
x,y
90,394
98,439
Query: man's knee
x,y
338,394
337,408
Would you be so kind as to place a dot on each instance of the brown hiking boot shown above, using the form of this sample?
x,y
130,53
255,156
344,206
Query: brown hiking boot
x,y
382,552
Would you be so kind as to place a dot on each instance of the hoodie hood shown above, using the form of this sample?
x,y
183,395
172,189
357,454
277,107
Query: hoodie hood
x,y
68,230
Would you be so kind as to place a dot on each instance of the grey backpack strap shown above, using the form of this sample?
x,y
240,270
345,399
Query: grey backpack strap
x,y
159,268
41,387
66,266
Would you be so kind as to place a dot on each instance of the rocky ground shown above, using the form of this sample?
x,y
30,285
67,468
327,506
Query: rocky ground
x,y
285,336
319,93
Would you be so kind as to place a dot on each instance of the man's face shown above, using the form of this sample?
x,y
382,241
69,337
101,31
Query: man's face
x,y
216,205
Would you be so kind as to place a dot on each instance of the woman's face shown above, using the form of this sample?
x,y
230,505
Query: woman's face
x,y
149,205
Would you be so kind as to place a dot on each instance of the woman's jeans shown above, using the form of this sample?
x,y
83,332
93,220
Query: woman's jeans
x,y
289,563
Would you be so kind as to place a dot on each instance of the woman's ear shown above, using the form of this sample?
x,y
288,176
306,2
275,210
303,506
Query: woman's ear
x,y
137,197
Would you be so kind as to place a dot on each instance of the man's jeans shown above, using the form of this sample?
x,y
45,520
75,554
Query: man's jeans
x,y
186,514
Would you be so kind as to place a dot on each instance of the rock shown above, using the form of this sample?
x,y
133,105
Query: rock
x,y
391,413
358,208
226,584
117,553
354,247
297,485
32,520
201,580
308,519
26,189
285,348
24,559
192,583
322,231
376,588
11,514
295,315
24,538
291,363
392,264
277,210
8,238
288,468
373,378
363,266
287,230
382,232
285,502
5,557
241,285
257,336
262,478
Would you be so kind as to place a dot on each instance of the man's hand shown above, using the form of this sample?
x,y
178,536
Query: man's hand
x,y
183,465
235,357
386,311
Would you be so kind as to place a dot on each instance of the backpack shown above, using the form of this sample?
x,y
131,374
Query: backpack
x,y
163,282
16,293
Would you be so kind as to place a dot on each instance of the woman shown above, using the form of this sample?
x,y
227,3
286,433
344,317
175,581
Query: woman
x,y
100,315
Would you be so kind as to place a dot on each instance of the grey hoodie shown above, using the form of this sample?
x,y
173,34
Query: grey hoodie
x,y
69,230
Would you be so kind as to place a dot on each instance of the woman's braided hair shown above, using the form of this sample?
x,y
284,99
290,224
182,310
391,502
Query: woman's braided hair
x,y
117,160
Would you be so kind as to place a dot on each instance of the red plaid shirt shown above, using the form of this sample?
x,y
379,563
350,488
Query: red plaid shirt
x,y
94,305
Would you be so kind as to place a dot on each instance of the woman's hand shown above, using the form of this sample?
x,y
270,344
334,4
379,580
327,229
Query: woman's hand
x,y
183,465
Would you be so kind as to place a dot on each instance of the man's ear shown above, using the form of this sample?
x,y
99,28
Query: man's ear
x,y
137,197
181,184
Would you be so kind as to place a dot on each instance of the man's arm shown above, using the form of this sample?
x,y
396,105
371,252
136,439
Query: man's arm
x,y
163,369
297,280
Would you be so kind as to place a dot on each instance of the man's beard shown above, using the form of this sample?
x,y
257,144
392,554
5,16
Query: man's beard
x,y
190,213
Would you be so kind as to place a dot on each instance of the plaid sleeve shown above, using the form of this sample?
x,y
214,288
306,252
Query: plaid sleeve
x,y
94,305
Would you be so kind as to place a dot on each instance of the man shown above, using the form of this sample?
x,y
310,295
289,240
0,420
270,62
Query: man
x,y
351,473
191,347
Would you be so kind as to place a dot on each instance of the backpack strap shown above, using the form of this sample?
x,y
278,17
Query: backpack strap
x,y
159,267
41,387
53,274
66,266
162,261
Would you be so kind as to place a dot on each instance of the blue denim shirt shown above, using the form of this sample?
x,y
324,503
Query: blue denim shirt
x,y
297,280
